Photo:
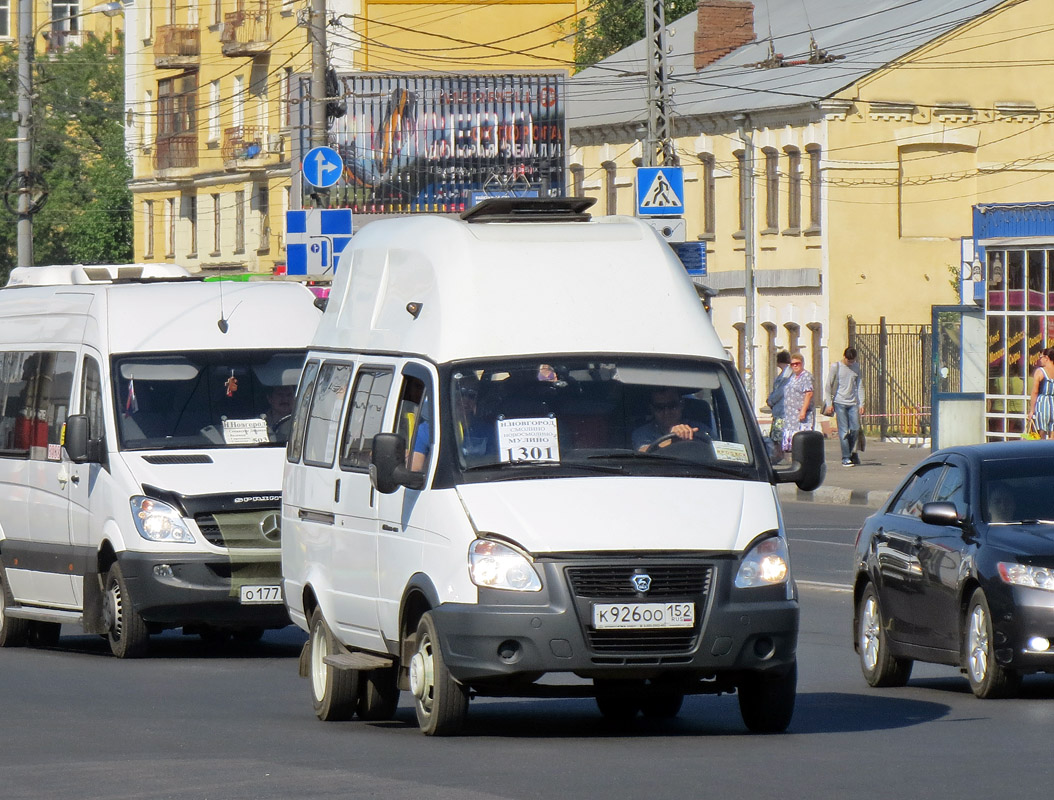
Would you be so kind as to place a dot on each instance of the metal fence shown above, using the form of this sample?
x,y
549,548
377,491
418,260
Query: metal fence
x,y
895,368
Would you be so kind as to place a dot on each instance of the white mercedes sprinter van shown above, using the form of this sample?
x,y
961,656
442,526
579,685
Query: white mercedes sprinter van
x,y
141,451
520,449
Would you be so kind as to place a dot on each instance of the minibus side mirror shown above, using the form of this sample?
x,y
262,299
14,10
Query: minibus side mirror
x,y
388,469
807,467
78,447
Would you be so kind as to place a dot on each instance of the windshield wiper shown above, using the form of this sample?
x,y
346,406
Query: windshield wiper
x,y
544,463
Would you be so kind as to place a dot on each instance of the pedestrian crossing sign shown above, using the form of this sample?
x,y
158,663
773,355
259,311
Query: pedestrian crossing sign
x,y
660,191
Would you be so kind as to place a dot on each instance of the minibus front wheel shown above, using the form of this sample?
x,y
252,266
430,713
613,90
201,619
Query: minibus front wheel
x,y
125,629
440,701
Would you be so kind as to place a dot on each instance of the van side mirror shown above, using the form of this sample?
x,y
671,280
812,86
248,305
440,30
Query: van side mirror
x,y
78,446
807,467
388,469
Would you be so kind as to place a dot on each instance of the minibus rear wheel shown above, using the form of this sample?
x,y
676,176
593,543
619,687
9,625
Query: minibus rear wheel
x,y
13,632
440,701
334,692
128,635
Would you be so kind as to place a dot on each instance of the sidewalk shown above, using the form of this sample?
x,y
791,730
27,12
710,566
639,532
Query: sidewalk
x,y
882,467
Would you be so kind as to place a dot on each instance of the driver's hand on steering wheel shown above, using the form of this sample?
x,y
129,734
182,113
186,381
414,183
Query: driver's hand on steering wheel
x,y
682,431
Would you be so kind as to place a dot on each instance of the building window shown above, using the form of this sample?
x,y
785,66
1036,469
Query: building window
x,y
743,170
263,208
814,188
5,19
148,226
285,87
148,119
239,222
214,111
709,195
793,190
170,227
578,173
772,191
816,354
610,190
217,12
238,113
217,240
741,348
190,213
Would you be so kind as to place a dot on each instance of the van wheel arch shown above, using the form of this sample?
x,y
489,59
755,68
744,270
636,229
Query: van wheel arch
x,y
419,597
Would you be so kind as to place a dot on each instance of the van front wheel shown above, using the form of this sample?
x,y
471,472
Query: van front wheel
x,y
766,699
441,702
126,631
334,692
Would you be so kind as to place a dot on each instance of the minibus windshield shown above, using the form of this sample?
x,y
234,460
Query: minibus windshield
x,y
645,416
205,399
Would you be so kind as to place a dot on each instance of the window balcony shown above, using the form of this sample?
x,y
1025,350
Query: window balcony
x,y
176,156
248,147
59,41
177,46
247,32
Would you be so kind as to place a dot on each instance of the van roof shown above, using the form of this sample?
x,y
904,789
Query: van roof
x,y
86,274
450,289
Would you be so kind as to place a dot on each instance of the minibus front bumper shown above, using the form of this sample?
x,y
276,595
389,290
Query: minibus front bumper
x,y
177,589
509,634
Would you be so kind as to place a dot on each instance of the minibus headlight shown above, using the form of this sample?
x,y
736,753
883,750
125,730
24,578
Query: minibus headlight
x,y
493,565
159,522
766,564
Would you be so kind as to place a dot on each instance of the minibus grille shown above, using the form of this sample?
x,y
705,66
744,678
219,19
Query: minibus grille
x,y
237,529
615,583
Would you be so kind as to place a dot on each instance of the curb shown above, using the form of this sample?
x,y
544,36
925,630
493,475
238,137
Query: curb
x,y
833,495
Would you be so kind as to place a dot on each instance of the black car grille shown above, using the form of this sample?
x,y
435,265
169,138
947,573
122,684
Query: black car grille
x,y
614,584
256,528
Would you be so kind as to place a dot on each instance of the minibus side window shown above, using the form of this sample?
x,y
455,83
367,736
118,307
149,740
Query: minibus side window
x,y
414,422
365,415
295,447
320,439
91,398
36,393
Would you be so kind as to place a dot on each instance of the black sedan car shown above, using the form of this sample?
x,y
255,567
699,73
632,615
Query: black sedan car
x,y
957,568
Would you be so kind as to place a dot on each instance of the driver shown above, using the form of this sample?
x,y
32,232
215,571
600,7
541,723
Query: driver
x,y
667,417
280,401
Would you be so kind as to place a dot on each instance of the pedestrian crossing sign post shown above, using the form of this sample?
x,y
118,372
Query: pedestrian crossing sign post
x,y
660,191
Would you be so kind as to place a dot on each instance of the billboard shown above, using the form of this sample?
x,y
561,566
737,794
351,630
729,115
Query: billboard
x,y
413,143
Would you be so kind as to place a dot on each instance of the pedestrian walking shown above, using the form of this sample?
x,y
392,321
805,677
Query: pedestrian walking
x,y
845,402
776,404
1041,403
797,401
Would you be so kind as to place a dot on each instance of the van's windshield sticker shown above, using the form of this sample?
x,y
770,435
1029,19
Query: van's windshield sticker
x,y
532,439
731,451
244,431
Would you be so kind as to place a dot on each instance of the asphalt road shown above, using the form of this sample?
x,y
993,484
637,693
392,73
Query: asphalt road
x,y
223,725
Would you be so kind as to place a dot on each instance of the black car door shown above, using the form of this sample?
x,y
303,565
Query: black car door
x,y
941,555
898,550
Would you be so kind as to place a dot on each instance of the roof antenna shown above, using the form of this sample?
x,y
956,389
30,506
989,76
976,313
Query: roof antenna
x,y
224,322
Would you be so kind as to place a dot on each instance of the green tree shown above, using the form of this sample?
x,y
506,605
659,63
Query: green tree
x,y
78,148
616,24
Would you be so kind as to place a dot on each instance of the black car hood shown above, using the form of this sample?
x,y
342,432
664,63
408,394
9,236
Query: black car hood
x,y
1026,539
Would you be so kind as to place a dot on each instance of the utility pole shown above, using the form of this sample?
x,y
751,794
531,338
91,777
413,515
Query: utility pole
x,y
746,134
25,132
658,149
318,73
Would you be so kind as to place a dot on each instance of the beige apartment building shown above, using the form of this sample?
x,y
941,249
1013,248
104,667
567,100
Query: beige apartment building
x,y
860,148
214,103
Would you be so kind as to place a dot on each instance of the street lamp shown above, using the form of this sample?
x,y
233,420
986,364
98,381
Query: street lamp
x,y
27,183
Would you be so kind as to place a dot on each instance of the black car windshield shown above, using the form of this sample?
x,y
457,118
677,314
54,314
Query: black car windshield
x,y
1017,490
648,416
214,398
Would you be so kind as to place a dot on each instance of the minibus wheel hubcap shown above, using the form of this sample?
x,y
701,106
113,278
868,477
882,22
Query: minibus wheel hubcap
x,y
420,674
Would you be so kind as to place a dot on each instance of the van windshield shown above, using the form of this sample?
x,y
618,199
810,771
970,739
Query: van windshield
x,y
205,399
628,415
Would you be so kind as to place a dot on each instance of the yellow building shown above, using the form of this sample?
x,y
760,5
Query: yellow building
x,y
59,25
213,114
860,149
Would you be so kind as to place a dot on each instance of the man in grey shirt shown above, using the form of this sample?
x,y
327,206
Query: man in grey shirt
x,y
845,401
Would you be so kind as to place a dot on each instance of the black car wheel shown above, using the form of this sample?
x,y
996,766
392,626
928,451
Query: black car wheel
x,y
988,679
879,666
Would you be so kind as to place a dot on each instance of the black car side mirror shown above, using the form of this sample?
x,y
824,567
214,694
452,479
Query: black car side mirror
x,y
940,514
807,467
388,469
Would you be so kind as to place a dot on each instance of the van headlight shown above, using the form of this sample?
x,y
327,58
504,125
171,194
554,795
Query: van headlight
x,y
159,522
766,564
493,565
